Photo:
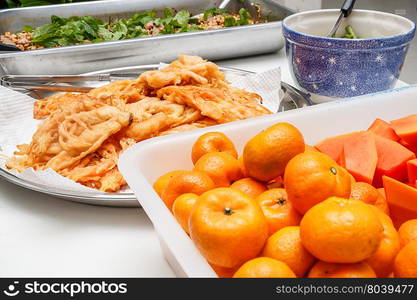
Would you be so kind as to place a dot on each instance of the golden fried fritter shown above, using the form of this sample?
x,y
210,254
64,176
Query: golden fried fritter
x,y
82,135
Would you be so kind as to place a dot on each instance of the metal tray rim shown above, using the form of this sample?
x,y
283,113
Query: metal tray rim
x,y
55,5
118,43
216,44
106,2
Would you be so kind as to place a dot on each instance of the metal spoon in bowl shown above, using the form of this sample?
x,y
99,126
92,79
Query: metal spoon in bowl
x,y
344,13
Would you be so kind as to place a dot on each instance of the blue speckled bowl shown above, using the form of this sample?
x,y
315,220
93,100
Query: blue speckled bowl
x,y
340,68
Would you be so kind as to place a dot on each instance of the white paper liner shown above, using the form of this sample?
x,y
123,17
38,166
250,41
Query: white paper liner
x,y
17,125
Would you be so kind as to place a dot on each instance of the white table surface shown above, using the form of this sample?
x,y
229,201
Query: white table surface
x,y
43,236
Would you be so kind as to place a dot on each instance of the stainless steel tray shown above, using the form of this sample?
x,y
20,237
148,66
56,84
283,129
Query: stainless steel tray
x,y
127,199
213,45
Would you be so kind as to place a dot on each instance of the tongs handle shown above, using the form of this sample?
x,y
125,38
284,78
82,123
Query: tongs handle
x,y
45,83
55,78
52,87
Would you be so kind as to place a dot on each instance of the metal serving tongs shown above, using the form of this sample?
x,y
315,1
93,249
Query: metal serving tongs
x,y
51,83
293,97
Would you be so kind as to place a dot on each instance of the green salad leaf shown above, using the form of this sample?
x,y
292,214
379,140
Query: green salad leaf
x,y
244,17
65,32
182,17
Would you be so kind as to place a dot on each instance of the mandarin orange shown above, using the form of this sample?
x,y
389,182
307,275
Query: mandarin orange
x,y
212,142
341,230
266,154
249,186
222,167
383,259
277,209
285,245
163,180
408,232
264,267
186,182
312,177
405,264
181,209
367,193
331,270
228,227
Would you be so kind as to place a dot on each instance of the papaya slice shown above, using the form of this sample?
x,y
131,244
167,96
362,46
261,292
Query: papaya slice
x,y
333,146
342,161
392,160
412,171
402,200
412,148
359,156
406,129
399,215
383,129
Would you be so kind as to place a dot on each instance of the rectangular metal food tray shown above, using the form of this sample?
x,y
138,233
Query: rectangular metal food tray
x,y
214,44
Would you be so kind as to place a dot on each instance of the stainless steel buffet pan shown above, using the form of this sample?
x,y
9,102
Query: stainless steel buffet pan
x,y
291,99
214,45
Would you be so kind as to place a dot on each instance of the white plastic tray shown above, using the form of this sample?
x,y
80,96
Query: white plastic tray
x,y
143,163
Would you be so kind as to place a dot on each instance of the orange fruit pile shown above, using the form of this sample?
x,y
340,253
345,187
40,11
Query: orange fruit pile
x,y
284,209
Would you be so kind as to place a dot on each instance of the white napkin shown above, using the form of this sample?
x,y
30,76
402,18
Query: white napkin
x,y
17,124
17,127
266,84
